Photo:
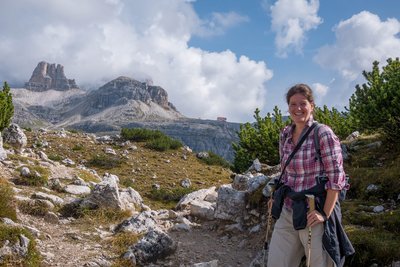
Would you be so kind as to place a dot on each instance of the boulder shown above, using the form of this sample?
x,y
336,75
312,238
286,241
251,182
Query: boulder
x,y
15,136
231,204
154,245
197,195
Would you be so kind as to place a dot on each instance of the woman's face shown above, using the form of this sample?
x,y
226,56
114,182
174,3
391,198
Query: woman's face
x,y
300,108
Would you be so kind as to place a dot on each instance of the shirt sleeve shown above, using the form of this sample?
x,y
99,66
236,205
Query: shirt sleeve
x,y
331,155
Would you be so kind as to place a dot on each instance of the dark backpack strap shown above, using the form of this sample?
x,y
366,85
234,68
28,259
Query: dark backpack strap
x,y
303,137
317,144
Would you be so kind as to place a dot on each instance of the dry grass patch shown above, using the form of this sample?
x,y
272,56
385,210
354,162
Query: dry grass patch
x,y
12,234
7,202
142,167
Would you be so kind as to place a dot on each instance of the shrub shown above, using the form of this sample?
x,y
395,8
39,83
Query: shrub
x,y
163,143
104,162
340,122
375,104
259,140
12,234
7,204
215,159
154,139
140,134
77,147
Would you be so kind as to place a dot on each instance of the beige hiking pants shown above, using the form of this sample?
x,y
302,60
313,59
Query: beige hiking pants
x,y
288,245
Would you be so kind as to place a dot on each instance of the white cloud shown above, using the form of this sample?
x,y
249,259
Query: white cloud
x,y
320,90
360,40
219,23
291,20
97,41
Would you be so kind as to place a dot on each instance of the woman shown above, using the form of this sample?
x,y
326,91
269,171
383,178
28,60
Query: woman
x,y
288,246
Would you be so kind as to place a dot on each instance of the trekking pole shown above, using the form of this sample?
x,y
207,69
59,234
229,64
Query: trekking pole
x,y
311,204
269,223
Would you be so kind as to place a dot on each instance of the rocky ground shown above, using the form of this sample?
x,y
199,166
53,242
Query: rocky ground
x,y
66,244
62,240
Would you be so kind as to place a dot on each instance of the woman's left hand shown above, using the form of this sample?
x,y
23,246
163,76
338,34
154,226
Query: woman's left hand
x,y
314,218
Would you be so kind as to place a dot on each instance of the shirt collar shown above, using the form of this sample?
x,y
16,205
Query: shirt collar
x,y
308,124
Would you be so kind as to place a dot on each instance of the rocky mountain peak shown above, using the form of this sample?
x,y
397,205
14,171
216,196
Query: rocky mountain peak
x,y
48,76
123,89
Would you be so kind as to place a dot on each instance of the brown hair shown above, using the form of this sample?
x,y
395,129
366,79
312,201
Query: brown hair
x,y
300,88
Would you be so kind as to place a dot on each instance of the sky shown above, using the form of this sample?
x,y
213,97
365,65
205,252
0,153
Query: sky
x,y
213,57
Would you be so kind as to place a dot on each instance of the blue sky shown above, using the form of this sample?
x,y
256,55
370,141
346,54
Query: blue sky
x,y
214,57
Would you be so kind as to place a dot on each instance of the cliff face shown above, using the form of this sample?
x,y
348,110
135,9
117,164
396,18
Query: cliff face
x,y
52,100
123,89
49,76
200,135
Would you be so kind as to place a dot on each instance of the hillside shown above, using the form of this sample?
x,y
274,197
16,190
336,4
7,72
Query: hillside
x,y
53,185
61,164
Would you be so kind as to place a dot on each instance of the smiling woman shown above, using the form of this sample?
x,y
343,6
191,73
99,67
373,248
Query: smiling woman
x,y
305,177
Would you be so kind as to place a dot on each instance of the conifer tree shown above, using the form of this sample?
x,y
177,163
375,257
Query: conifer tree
x,y
259,140
6,107
375,105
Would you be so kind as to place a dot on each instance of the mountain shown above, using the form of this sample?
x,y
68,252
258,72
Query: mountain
x,y
51,100
49,76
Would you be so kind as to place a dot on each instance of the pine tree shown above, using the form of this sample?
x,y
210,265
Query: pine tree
x,y
6,107
376,104
259,140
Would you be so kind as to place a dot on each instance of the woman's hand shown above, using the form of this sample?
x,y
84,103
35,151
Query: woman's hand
x,y
314,218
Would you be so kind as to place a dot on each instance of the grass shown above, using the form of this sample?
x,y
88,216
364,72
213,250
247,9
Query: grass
x,y
119,244
373,246
106,162
34,207
12,234
38,176
169,196
215,160
140,166
7,202
375,236
87,176
94,216
154,139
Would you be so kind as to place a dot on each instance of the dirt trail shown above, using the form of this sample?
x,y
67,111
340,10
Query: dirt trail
x,y
70,246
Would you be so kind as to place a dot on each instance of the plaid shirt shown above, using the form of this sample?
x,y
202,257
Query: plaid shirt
x,y
304,167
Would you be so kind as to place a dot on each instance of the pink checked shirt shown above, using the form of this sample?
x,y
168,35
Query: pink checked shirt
x,y
304,167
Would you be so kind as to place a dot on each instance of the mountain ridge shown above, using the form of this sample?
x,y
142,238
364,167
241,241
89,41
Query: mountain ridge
x,y
121,102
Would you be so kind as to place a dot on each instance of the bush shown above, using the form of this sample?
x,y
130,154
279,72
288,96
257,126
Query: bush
x,y
104,162
340,122
168,195
214,159
154,139
77,147
140,134
259,140
12,234
7,204
163,143
375,104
